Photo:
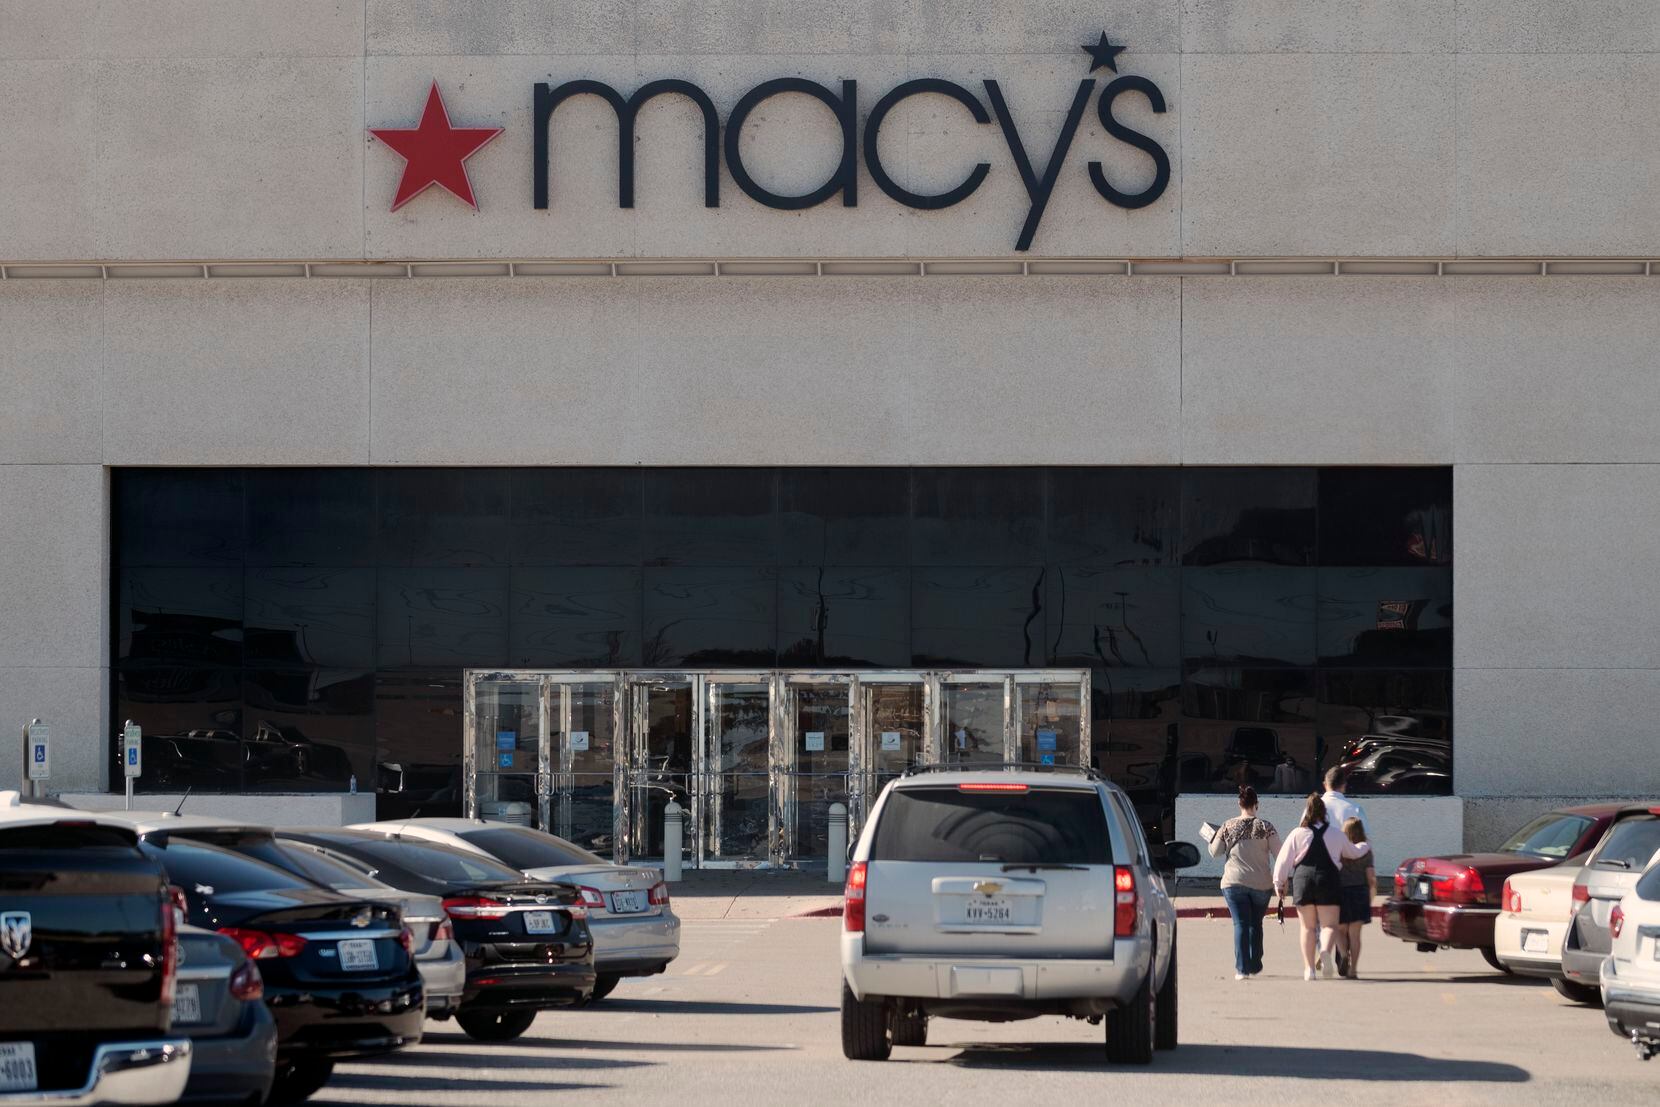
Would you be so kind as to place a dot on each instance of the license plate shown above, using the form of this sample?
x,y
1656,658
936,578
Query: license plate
x,y
988,909
17,1067
358,954
187,1003
627,903
1535,941
539,922
1425,890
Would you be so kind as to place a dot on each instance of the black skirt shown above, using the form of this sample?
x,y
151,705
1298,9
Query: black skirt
x,y
1312,888
1357,904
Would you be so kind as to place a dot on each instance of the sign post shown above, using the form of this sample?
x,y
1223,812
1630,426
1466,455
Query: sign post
x,y
132,756
37,762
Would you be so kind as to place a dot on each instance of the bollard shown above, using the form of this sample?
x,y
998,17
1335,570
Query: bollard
x,y
837,868
673,828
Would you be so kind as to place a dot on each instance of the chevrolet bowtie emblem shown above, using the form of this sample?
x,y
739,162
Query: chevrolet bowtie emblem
x,y
988,887
363,917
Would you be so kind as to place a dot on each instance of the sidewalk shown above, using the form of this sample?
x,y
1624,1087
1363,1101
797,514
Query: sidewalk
x,y
805,893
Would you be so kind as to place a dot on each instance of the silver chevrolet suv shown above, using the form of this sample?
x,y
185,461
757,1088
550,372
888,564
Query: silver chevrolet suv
x,y
1008,894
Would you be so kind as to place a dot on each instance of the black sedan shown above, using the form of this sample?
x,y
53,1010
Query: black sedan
x,y
337,970
527,943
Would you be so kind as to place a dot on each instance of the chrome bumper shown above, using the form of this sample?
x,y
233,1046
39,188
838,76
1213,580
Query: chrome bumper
x,y
123,1073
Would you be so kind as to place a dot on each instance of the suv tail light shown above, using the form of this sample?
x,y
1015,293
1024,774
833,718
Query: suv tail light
x,y
993,786
260,946
659,896
853,907
475,907
1616,921
1123,902
591,898
1510,899
1582,894
246,983
442,931
169,944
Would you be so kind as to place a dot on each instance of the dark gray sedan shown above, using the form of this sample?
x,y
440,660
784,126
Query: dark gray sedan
x,y
219,1002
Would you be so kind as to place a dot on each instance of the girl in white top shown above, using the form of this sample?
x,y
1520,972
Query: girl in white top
x,y
1308,866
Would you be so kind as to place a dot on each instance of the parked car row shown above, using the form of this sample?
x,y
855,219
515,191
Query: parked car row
x,y
1573,897
267,955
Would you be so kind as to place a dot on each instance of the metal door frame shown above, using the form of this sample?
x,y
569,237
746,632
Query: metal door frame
x,y
785,756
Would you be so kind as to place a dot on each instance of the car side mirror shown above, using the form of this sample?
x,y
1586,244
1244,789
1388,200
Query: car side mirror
x,y
1181,855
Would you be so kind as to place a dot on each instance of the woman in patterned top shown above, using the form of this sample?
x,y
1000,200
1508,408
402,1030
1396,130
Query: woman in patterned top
x,y
1249,844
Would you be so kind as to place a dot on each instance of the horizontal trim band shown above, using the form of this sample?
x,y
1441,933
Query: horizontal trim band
x,y
412,268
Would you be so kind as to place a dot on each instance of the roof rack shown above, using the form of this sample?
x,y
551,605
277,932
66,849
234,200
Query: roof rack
x,y
1000,766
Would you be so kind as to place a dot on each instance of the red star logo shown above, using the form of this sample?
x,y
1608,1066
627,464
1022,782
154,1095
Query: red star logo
x,y
435,153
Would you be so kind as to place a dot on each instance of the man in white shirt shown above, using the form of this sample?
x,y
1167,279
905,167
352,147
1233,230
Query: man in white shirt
x,y
1340,808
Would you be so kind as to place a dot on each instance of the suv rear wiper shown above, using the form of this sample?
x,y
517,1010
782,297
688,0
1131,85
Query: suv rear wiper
x,y
1617,862
1045,866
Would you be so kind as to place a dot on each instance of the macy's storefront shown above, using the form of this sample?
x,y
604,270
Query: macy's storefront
x,y
739,403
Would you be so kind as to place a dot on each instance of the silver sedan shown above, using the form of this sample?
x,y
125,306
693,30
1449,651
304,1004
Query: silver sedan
x,y
635,931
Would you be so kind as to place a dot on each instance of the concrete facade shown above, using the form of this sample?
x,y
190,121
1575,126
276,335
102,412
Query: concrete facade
x,y
195,132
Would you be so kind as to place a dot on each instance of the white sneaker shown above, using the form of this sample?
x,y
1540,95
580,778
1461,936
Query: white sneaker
x,y
1239,976
1308,974
1328,965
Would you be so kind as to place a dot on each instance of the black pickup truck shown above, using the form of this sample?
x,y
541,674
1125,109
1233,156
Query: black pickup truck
x,y
87,964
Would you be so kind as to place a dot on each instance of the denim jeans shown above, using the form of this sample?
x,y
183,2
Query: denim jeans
x,y
1247,906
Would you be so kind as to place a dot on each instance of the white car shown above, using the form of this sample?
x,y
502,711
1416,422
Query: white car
x,y
1631,973
636,933
1535,911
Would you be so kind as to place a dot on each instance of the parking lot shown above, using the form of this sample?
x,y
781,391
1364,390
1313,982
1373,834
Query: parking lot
x,y
749,1010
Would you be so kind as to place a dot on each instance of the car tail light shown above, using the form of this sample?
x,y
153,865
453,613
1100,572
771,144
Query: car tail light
x,y
261,946
1400,882
169,947
1123,902
406,939
442,931
591,898
659,896
475,907
853,906
1510,899
1616,921
246,983
576,910
1464,886
993,786
1582,894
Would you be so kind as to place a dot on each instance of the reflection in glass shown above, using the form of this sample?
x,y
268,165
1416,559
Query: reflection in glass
x,y
710,618
181,616
509,754
1386,617
178,516
308,730
311,517
1115,516
593,751
668,761
820,736
1249,726
737,811
575,618
322,617
1134,723
417,744
977,618
1248,615
710,517
443,516
1393,730
593,804
1120,618
977,516
1248,515
1388,516
192,722
845,516
1050,723
844,617
576,516
894,718
973,723
434,617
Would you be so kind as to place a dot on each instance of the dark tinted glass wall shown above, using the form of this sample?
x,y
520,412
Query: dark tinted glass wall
x,y
286,629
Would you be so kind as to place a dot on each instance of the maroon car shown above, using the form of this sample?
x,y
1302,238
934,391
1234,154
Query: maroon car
x,y
1450,902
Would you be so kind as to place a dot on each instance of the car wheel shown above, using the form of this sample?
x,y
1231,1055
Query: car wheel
x,y
495,1026
866,1035
604,984
1131,1028
297,1080
1579,993
1164,1028
910,1029
1491,956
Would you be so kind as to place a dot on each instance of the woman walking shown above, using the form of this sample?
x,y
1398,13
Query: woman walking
x,y
1308,865
1359,881
1249,844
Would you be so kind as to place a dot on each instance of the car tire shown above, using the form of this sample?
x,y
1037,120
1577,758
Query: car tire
x,y
604,984
299,1080
1577,992
910,1029
1164,1016
1131,1028
866,1033
1491,956
495,1026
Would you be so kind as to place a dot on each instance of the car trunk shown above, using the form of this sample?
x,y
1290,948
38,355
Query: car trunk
x,y
627,892
345,940
1006,874
519,921
202,1003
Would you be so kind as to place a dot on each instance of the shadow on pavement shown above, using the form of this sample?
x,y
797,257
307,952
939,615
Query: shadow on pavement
x,y
406,1057
1308,1062
440,1058
401,1083
711,1007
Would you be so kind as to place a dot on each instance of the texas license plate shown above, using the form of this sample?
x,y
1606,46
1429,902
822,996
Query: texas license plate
x,y
1425,890
539,922
1535,941
17,1067
187,1003
988,909
358,954
627,903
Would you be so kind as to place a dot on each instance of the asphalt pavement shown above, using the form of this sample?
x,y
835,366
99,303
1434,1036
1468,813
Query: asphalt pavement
x,y
750,1010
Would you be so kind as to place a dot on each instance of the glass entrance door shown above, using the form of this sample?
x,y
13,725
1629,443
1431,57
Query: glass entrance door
x,y
506,752
820,759
738,818
895,735
974,719
664,764
587,798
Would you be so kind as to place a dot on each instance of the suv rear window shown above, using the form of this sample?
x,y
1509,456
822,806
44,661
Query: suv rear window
x,y
1630,844
1045,826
